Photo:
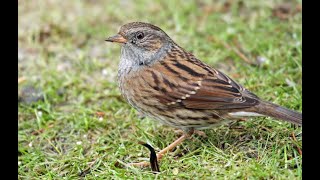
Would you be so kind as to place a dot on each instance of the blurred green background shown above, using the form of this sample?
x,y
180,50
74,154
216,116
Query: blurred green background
x,y
74,123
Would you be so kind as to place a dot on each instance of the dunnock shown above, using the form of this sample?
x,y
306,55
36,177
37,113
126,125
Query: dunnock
x,y
167,83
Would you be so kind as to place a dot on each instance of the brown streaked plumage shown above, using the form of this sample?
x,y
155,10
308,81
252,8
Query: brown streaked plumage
x,y
163,81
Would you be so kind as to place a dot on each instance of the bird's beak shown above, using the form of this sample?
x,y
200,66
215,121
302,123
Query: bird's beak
x,y
117,38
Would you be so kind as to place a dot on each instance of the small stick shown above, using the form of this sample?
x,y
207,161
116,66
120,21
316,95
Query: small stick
x,y
294,138
235,50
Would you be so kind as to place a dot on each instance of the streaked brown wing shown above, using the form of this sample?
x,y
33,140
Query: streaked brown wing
x,y
215,93
195,85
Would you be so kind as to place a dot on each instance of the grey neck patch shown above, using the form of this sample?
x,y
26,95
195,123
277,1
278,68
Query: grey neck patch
x,y
133,59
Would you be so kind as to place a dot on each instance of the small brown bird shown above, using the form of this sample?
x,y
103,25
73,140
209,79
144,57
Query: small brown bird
x,y
165,82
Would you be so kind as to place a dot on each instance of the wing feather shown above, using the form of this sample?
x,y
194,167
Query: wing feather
x,y
194,85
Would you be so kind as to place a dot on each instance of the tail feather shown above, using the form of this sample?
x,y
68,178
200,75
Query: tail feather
x,y
279,112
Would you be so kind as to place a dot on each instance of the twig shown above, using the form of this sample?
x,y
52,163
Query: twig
x,y
241,51
240,54
235,50
294,138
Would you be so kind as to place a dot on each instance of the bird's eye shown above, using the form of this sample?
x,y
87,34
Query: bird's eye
x,y
140,35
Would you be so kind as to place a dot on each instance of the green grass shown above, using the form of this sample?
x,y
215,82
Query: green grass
x,y
63,54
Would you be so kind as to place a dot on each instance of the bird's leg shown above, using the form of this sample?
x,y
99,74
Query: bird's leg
x,y
165,150
175,143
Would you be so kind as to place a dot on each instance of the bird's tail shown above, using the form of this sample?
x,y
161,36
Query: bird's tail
x,y
279,112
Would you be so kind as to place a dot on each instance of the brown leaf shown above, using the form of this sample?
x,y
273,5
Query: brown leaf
x,y
100,114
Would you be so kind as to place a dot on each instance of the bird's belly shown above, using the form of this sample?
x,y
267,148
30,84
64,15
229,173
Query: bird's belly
x,y
175,117
187,118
